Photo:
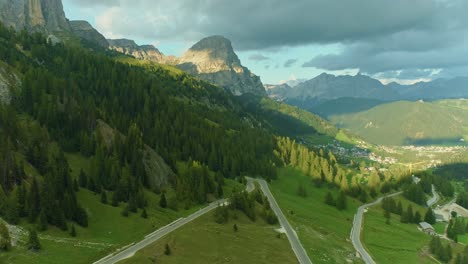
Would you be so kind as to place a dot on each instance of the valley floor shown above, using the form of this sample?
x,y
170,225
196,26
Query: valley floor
x,y
322,229
204,241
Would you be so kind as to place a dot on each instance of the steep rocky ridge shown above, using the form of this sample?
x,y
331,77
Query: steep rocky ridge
x,y
157,170
143,52
8,81
44,16
213,59
85,31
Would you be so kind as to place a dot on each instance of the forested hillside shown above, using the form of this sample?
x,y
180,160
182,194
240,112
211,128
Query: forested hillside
x,y
66,90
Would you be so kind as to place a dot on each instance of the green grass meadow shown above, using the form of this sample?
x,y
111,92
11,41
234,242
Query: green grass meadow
x,y
203,241
322,229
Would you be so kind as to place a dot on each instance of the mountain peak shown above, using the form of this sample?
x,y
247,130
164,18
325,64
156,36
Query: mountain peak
x,y
214,48
213,59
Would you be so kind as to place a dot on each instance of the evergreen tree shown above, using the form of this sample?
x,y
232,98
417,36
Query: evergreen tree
x,y
417,217
144,214
72,231
33,201
429,217
399,209
341,201
167,250
115,199
103,197
410,214
387,216
33,241
329,199
43,224
5,240
163,201
301,190
404,217
83,179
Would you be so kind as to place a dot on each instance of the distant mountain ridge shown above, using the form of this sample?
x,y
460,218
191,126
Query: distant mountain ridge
x,y
326,88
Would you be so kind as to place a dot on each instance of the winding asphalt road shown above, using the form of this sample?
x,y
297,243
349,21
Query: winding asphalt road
x,y
356,230
292,237
435,197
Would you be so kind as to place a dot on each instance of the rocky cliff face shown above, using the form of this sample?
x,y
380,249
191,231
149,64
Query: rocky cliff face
x,y
213,59
85,31
8,82
45,16
144,52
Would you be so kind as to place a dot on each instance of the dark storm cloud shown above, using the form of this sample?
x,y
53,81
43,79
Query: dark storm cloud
x,y
289,63
375,35
274,23
443,45
258,57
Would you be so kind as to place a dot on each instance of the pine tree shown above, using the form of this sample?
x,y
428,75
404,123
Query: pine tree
x,y
417,217
341,202
163,201
144,214
33,201
410,214
404,217
73,231
115,199
76,187
33,241
43,224
399,209
5,240
83,179
329,199
103,197
167,250
429,217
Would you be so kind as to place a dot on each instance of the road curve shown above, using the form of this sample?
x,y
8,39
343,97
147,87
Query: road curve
x,y
356,230
292,237
435,197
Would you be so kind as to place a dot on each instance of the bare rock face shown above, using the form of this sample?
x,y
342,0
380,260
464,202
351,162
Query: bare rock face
x,y
85,31
213,59
129,47
45,16
8,82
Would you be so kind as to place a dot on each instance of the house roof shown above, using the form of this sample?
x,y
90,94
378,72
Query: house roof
x,y
425,225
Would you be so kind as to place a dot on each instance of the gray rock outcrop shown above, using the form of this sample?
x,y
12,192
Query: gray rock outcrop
x,y
85,31
45,16
213,59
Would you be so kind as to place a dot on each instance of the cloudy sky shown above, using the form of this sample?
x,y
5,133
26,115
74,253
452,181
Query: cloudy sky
x,y
281,40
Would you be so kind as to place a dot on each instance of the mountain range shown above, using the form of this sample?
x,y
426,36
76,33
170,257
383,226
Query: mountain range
x,y
356,92
212,59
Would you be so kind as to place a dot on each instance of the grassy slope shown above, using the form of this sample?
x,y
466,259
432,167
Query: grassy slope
x,y
204,241
394,123
323,230
397,242
107,230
